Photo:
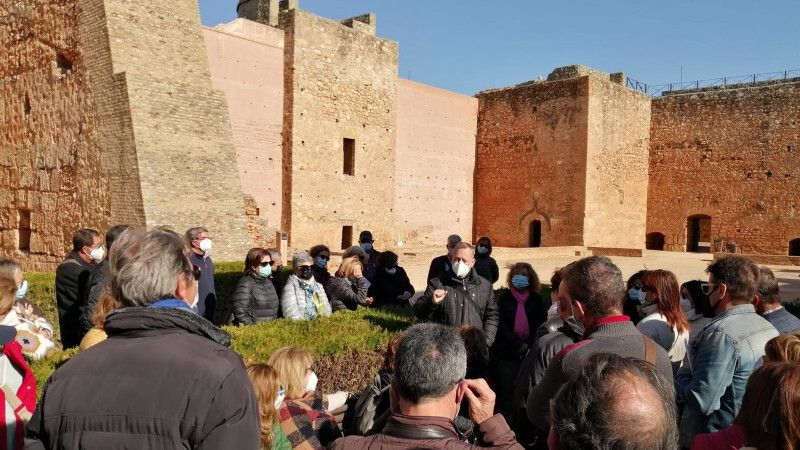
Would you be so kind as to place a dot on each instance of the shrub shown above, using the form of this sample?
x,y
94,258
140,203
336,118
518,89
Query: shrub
x,y
348,346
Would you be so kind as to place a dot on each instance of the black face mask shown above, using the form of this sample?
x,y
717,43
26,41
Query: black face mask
x,y
306,272
704,307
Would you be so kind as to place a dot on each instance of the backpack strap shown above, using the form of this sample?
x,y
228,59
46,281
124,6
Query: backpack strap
x,y
649,350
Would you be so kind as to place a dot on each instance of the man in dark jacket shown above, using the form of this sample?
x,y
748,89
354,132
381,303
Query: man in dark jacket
x,y
72,280
201,246
427,388
460,296
97,281
594,289
768,304
441,264
164,379
371,264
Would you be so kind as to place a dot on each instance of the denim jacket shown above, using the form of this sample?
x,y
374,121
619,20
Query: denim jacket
x,y
723,356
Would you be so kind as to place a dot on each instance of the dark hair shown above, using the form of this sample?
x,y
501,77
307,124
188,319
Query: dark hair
x,y
317,249
634,278
391,350
597,283
695,291
83,238
593,411
523,268
488,242
387,258
253,259
555,280
770,413
768,286
739,274
665,286
430,361
113,233
475,343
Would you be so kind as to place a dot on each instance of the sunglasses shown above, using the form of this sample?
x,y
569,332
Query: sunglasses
x,y
196,272
708,288
266,263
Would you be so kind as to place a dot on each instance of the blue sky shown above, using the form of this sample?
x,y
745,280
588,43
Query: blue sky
x,y
467,46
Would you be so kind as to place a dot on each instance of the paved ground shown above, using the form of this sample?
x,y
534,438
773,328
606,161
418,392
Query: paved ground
x,y
686,266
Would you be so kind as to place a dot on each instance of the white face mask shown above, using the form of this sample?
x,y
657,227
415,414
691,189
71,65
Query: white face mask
x,y
279,398
461,269
206,245
97,254
311,385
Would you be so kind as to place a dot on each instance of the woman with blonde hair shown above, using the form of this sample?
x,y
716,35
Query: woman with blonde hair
x,y
269,393
304,413
348,288
96,335
783,348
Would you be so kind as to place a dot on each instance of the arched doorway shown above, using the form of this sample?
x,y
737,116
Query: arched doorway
x,y
698,234
794,247
654,241
535,233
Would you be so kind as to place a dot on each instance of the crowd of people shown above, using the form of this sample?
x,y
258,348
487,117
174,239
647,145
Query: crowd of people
x,y
601,364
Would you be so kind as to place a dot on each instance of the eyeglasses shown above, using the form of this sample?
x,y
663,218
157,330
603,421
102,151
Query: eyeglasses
x,y
265,263
196,272
707,288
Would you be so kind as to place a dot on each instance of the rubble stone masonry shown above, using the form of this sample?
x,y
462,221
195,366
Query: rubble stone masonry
x,y
51,181
340,84
184,147
531,162
732,155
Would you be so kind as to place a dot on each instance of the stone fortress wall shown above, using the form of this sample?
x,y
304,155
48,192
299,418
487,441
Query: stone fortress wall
x,y
121,112
728,158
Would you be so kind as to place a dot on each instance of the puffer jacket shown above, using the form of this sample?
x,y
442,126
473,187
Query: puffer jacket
x,y
254,300
345,293
295,305
164,379
469,301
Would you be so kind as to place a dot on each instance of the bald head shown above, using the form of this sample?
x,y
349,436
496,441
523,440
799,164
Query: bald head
x,y
615,403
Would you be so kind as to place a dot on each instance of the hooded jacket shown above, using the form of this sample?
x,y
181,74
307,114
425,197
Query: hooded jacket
x,y
164,379
486,266
469,301
254,300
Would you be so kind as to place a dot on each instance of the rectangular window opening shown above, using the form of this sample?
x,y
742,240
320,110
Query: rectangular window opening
x,y
24,230
347,236
349,160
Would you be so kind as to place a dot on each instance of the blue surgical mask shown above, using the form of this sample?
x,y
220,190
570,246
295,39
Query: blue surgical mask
x,y
520,281
22,290
265,271
482,250
321,262
637,295
367,246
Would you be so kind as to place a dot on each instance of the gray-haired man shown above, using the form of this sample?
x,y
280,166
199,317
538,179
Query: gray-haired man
x,y
164,378
201,246
426,392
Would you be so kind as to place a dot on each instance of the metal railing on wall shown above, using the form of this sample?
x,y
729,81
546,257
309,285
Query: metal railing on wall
x,y
720,83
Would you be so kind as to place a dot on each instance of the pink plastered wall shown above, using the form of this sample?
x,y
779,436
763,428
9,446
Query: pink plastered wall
x,y
435,160
246,60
